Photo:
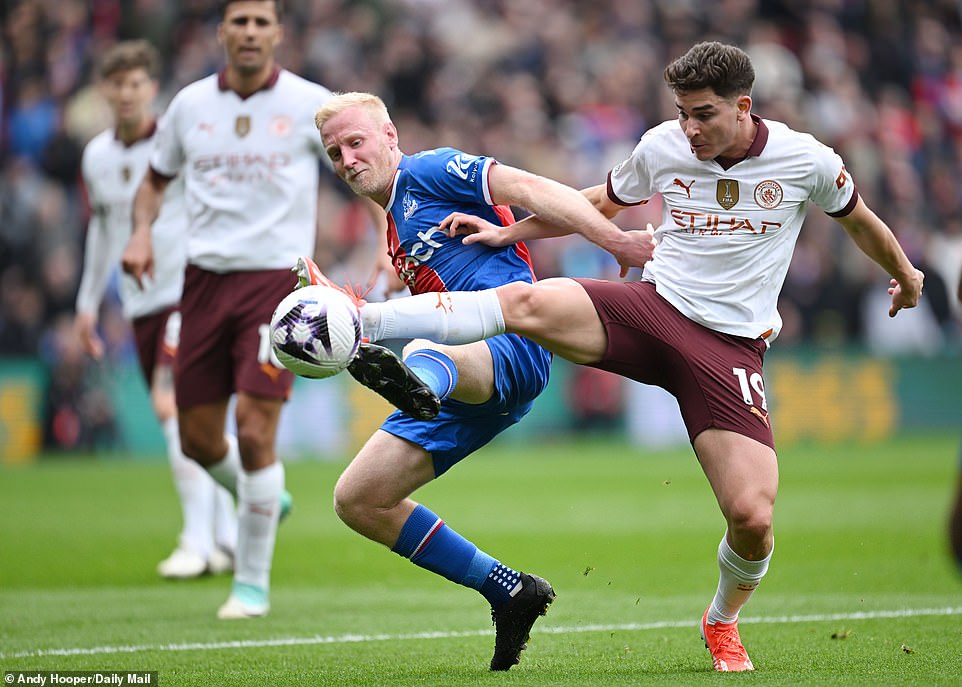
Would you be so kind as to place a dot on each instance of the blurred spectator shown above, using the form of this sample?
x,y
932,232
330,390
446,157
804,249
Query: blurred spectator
x,y
78,413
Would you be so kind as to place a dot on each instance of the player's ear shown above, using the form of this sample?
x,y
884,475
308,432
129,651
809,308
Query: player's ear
x,y
390,131
220,33
744,105
279,36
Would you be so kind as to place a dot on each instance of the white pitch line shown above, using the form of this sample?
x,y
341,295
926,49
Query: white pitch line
x,y
356,638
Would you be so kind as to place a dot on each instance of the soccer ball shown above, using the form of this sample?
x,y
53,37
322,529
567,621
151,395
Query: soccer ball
x,y
315,331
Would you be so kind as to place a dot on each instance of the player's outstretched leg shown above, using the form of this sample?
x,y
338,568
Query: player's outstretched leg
x,y
380,370
513,621
309,274
377,367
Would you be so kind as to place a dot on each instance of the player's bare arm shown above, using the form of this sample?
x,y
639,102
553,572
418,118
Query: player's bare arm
x,y
138,257
85,325
474,229
876,240
561,210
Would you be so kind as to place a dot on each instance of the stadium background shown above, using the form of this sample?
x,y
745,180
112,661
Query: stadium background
x,y
563,89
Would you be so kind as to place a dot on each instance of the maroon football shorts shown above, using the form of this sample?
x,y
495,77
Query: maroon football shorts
x,y
154,348
224,336
716,378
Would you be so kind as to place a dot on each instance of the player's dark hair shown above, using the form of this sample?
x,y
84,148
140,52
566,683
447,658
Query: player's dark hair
x,y
726,69
278,8
127,55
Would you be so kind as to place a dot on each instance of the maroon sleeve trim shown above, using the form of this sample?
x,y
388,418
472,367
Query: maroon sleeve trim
x,y
153,172
616,199
849,206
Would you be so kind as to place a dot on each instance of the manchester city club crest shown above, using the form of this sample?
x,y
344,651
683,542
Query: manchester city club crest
x,y
769,194
726,193
242,125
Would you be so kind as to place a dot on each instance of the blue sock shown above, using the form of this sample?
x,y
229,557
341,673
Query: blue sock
x,y
435,369
432,545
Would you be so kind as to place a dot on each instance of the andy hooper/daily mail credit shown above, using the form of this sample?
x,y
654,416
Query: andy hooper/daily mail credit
x,y
52,678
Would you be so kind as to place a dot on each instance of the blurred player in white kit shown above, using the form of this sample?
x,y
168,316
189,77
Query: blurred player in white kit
x,y
243,141
113,164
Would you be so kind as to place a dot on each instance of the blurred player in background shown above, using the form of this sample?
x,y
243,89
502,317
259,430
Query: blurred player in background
x,y
243,140
955,517
484,387
735,190
113,164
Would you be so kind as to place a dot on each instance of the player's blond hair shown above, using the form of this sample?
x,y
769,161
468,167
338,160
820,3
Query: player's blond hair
x,y
341,101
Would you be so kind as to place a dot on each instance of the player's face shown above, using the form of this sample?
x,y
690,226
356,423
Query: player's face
x,y
711,123
129,94
363,152
249,33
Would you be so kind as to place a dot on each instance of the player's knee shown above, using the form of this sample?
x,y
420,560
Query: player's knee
x,y
750,519
349,503
203,447
520,301
196,446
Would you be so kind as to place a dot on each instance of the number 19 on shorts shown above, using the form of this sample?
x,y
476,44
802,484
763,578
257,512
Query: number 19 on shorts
x,y
747,384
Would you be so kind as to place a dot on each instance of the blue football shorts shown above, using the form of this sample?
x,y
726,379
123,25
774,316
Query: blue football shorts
x,y
521,370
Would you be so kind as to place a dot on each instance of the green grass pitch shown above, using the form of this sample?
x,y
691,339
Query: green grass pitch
x,y
861,590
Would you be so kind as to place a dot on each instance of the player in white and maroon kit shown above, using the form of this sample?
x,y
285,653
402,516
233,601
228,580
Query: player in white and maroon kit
x,y
113,164
735,189
245,144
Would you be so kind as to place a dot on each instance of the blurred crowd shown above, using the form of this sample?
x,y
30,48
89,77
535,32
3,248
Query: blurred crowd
x,y
560,87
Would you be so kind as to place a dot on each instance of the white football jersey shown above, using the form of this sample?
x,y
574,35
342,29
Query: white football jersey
x,y
727,235
112,171
250,166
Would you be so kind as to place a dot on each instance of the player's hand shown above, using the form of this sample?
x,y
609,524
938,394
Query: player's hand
x,y
638,249
85,325
905,295
138,257
473,229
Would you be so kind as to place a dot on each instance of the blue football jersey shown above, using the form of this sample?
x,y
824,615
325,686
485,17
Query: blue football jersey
x,y
428,187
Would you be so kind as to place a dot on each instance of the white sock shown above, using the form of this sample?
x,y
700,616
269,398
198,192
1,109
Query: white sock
x,y
196,491
226,472
225,520
738,579
258,511
453,317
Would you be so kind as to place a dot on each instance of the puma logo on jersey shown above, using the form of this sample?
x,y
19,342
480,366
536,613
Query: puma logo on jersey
x,y
271,371
762,416
442,305
679,182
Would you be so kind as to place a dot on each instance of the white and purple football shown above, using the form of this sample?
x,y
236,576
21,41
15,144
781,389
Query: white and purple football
x,y
315,331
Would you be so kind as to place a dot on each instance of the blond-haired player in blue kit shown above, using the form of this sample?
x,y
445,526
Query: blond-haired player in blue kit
x,y
735,189
463,396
